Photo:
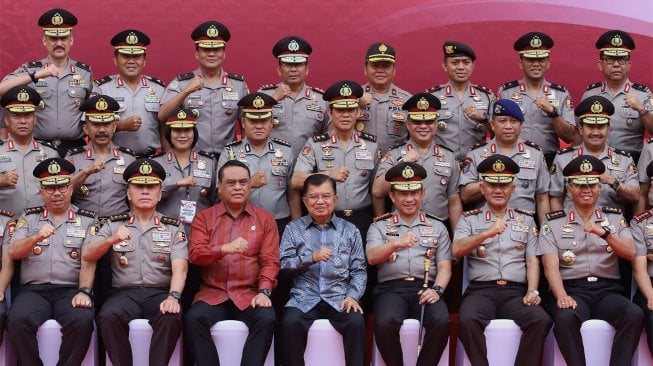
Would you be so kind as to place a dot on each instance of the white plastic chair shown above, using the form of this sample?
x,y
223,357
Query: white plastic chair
x,y
140,337
48,337
408,335
597,341
229,337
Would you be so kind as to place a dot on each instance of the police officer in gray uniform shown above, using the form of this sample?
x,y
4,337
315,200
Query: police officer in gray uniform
x,y
547,107
442,198
619,184
20,153
7,227
580,248
137,94
189,184
632,101
301,112
347,156
532,181
209,89
402,245
269,159
63,83
54,280
465,106
381,112
644,182
98,182
149,260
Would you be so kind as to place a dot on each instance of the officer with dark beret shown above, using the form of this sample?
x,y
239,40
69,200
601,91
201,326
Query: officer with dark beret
x,y
209,89
441,196
500,242
465,106
137,94
532,181
547,107
619,184
412,252
381,112
633,101
55,281
580,248
149,262
20,151
62,82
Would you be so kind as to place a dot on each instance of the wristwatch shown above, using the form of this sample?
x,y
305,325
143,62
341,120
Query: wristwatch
x,y
535,292
438,290
265,292
88,291
175,294
32,75
554,113
615,184
606,232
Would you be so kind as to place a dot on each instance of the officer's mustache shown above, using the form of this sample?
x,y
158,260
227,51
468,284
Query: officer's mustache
x,y
102,134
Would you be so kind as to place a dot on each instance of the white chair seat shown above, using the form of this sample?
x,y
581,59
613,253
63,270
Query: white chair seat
x,y
502,337
229,337
408,335
324,345
48,337
643,355
140,337
597,341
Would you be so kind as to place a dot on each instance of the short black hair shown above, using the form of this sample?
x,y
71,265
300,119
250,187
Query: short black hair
x,y
168,136
318,180
229,163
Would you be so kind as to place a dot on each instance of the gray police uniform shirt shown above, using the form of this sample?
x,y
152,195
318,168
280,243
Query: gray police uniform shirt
x,y
276,161
455,129
7,228
641,227
502,257
217,106
148,254
443,174
202,167
384,118
296,120
533,177
617,164
433,242
537,126
26,192
626,128
57,260
104,192
581,254
645,159
62,96
144,102
325,152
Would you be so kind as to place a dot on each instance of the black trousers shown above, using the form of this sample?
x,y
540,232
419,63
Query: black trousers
x,y
202,316
398,300
640,300
33,305
483,302
294,333
124,305
602,300
3,319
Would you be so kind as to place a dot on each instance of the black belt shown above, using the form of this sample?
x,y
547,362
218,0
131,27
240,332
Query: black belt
x,y
500,283
352,213
590,279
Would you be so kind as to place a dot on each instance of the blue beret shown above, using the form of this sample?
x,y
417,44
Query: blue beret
x,y
506,107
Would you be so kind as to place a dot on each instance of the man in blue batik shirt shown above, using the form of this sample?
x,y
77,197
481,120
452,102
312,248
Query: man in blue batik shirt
x,y
325,255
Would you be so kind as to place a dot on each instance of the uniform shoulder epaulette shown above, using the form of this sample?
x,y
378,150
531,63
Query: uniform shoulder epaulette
x,y
593,86
34,64
2,142
525,212
233,143
482,88
87,213
103,80
207,154
397,145
46,143
613,210
155,80
321,137
235,77
126,150
119,217
34,210
555,215
643,216
566,150
649,140
82,65
472,212
185,76
156,155
367,136
433,217
558,87
477,145
445,147
280,141
510,84
76,150
6,213
621,152
435,88
386,215
640,87
533,145
170,221
316,89
268,87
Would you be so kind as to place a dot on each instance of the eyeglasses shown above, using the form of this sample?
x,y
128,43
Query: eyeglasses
x,y
612,60
316,197
51,189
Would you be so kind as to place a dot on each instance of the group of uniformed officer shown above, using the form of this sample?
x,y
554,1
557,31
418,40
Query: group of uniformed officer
x,y
427,152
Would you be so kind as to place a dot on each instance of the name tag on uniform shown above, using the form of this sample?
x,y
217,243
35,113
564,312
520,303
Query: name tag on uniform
x,y
5,159
117,169
75,232
187,211
363,155
480,105
161,236
520,228
426,231
201,173
527,163
230,96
